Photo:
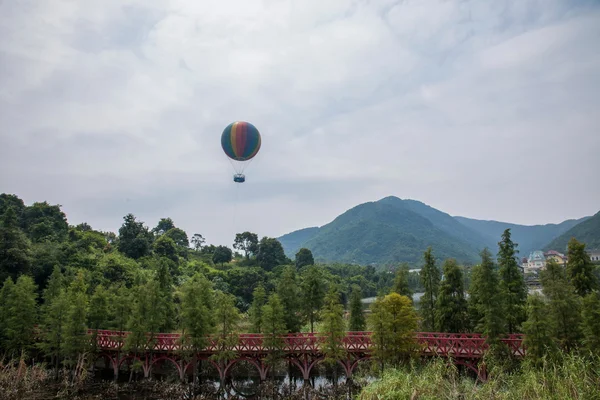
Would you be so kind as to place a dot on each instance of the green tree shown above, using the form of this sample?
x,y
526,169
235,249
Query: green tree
x,y
149,313
313,292
99,312
195,316
164,246
227,318
197,241
512,284
430,278
20,315
451,312
11,201
270,253
54,323
580,269
76,337
45,223
5,295
84,227
538,330
222,255
135,239
289,293
486,300
333,327
179,236
15,248
258,301
401,285
394,321
164,225
304,257
246,242
357,317
590,314
564,305
273,316
164,282
116,268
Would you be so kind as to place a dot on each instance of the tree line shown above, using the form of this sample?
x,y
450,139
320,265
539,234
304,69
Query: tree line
x,y
66,279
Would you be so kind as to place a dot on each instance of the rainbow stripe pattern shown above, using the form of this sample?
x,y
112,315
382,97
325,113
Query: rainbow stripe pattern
x,y
240,140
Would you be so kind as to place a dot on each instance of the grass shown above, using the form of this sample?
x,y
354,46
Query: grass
x,y
573,377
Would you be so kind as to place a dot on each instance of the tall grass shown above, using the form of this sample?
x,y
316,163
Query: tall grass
x,y
569,377
21,381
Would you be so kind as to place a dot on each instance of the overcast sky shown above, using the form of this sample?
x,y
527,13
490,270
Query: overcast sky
x,y
488,109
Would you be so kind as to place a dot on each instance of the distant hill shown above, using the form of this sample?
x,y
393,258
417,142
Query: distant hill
x,y
394,230
387,231
292,242
587,232
528,237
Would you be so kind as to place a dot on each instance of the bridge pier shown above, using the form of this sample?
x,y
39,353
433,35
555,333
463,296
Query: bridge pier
x,y
305,363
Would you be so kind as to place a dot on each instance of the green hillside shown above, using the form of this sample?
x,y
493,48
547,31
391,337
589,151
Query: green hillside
x,y
587,232
528,237
387,231
393,230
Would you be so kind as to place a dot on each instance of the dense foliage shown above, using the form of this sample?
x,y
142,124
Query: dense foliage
x,y
59,280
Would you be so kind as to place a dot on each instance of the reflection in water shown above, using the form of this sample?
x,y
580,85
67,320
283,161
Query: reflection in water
x,y
284,381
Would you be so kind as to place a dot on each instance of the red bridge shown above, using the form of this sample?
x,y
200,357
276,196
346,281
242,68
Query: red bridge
x,y
301,349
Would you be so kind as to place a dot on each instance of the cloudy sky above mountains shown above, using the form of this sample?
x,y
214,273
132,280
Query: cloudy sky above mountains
x,y
481,108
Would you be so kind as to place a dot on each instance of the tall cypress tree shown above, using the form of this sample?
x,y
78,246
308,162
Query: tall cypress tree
x,y
357,317
274,328
485,301
20,315
564,305
333,327
5,294
430,278
313,292
580,269
591,322
451,309
289,293
258,301
512,284
227,318
401,285
195,318
538,330
76,337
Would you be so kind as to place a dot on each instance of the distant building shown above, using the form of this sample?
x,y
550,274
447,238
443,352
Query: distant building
x,y
535,262
594,255
559,258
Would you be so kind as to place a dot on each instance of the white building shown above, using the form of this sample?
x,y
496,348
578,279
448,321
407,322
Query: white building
x,y
594,255
535,262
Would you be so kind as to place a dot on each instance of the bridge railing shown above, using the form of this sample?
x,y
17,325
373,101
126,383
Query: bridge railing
x,y
471,345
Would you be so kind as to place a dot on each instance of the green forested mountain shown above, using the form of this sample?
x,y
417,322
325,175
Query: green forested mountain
x,y
528,237
587,232
390,230
393,230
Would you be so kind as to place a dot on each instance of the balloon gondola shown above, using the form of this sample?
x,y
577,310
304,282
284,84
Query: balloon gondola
x,y
241,142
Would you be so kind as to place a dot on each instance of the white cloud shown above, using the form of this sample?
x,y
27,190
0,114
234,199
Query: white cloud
x,y
109,107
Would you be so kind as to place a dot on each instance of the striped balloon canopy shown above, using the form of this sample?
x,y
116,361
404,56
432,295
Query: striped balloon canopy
x,y
240,141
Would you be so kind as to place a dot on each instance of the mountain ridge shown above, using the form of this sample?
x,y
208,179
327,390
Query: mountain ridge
x,y
392,230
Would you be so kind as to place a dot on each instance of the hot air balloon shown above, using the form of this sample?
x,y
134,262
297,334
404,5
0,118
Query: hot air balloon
x,y
240,141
